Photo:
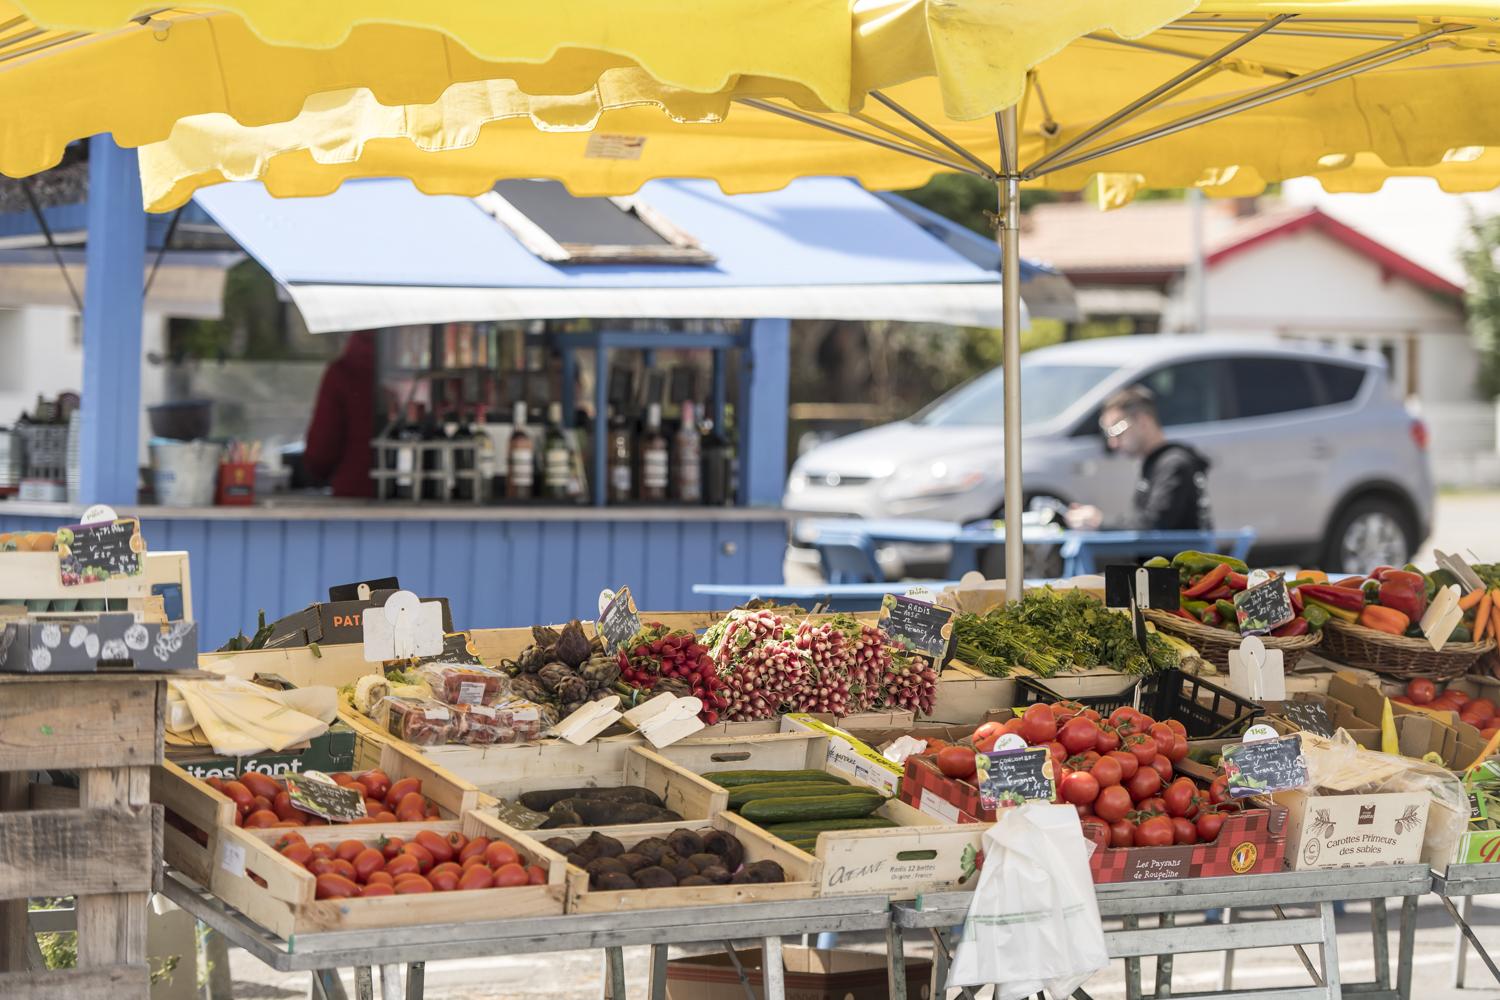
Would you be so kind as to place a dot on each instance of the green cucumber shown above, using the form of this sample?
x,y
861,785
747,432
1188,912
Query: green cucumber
x,y
848,806
797,830
777,789
734,779
808,844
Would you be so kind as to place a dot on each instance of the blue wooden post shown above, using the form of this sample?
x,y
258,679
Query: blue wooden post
x,y
112,304
762,414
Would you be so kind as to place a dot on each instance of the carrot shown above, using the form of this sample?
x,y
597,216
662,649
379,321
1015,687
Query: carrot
x,y
1471,598
1495,612
1482,616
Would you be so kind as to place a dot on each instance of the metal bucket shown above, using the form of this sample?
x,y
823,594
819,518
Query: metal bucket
x,y
185,473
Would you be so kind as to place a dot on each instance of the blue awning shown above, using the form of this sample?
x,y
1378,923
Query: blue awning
x,y
381,253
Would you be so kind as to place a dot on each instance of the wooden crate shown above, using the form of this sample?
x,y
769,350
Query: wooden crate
x,y
965,695
195,812
602,765
285,904
801,869
304,666
924,854
102,844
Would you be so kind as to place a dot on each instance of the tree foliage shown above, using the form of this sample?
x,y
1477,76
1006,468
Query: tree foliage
x,y
1481,262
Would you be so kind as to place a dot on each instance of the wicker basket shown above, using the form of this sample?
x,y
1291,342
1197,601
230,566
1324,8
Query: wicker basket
x,y
1397,655
1214,644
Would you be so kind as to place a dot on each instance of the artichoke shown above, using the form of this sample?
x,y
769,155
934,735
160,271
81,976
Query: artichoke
x,y
572,690
553,675
530,689
600,671
533,658
675,686
572,645
543,636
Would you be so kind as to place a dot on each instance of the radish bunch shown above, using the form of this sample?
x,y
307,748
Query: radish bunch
x,y
909,680
760,664
656,652
841,658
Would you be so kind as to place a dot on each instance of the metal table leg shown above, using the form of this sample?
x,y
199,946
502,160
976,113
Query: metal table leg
x,y
390,982
739,968
1330,949
1380,928
1405,945
1132,965
1226,977
326,985
658,974
895,962
614,973
1461,945
773,972
1307,963
1164,962
416,980
1468,932
364,983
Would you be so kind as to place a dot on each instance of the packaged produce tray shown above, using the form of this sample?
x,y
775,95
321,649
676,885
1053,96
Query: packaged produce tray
x,y
286,905
920,854
801,869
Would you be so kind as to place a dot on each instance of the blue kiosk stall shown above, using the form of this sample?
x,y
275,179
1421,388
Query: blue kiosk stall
x,y
729,276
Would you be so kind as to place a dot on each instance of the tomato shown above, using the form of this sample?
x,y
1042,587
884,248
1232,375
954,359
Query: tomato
x,y
537,875
1178,728
1128,764
320,866
1092,716
1421,690
1067,709
1144,784
1154,832
1483,707
1210,821
401,789
1011,727
1112,804
377,889
1096,830
242,796
261,819
374,807
1059,753
1218,790
436,845
335,887
1183,831
1453,694
1179,750
478,877
956,762
1079,788
1084,812
261,784
499,854
1109,739
1122,716
216,783
385,817
402,864
443,881
391,846
348,849
343,779
987,730
1038,725
1155,804
472,860
473,848
367,862
378,782
282,806
1179,796
342,867
987,744
1162,735
411,808
424,857
1106,771
322,850
513,874
416,883
1122,833
1163,767
380,876
1142,746
1079,735
297,853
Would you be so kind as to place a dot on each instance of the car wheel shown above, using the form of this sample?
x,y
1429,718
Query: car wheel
x,y
1371,532
1039,562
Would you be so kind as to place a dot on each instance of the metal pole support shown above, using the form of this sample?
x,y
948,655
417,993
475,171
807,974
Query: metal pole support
x,y
1010,291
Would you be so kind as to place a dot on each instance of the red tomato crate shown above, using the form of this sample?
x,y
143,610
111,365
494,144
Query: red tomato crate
x,y
1249,843
925,788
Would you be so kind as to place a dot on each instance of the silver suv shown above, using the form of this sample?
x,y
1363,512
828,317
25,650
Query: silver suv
x,y
1310,447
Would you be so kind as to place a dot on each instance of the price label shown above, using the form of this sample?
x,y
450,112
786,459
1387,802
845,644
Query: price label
x,y
1308,716
918,625
618,620
1014,776
1479,809
313,792
1263,766
94,553
516,815
232,859
1263,608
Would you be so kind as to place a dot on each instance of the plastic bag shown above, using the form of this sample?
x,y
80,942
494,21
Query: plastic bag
x,y
1034,922
1341,766
421,722
464,684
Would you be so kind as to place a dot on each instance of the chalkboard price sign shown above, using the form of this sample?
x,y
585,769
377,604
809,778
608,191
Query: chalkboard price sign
x,y
94,553
1309,716
918,625
516,815
619,620
324,798
1263,608
1262,766
1014,776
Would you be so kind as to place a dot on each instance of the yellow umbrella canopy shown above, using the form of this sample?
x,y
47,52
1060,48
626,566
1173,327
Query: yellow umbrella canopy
x,y
74,68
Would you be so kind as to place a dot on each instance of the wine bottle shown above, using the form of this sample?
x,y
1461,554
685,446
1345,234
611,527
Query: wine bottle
x,y
409,433
520,462
654,457
718,469
484,456
620,457
557,463
687,459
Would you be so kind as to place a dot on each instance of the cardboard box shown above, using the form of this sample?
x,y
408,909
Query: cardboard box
x,y
1340,713
85,644
811,974
848,756
334,622
333,751
1478,847
1249,843
1352,831
925,788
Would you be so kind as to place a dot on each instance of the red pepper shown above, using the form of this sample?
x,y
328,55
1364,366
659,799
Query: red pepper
x,y
1212,616
1379,572
1351,582
1184,613
1211,580
1297,626
1237,581
1219,594
1410,600
1296,595
1401,576
1335,596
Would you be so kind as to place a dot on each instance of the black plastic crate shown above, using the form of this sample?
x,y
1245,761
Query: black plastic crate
x,y
1205,709
1033,691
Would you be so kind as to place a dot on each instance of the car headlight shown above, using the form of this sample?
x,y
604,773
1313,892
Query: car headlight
x,y
796,482
939,479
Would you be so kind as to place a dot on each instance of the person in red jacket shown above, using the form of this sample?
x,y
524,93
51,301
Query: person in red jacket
x,y
337,450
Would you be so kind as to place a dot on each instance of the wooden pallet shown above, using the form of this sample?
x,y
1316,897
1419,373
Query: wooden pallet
x,y
104,847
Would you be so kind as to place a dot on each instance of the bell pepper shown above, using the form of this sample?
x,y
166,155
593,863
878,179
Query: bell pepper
x,y
1312,575
1402,576
1399,593
1237,581
1191,563
1211,581
1196,608
1371,589
1351,582
1316,615
1332,610
1338,597
1461,633
1182,613
1384,619
1157,562
1379,572
1297,626
1211,617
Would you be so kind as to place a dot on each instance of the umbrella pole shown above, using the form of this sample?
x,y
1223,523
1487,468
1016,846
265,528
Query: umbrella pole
x,y
1010,290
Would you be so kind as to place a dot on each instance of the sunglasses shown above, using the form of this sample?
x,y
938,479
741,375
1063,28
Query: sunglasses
x,y
1115,429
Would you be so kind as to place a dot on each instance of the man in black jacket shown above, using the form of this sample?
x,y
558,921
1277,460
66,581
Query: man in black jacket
x,y
1172,493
